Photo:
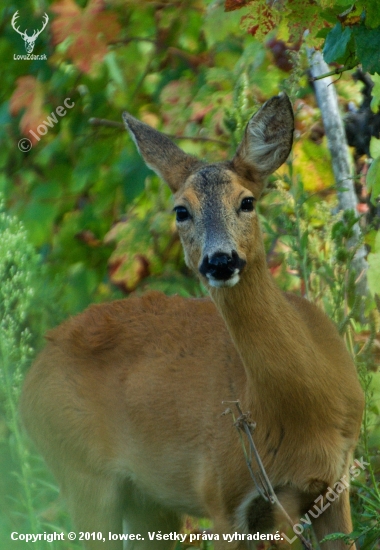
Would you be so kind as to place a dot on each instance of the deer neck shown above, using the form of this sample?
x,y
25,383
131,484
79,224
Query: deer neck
x,y
270,338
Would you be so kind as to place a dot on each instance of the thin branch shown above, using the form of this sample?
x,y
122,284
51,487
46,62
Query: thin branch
x,y
125,41
140,81
105,122
120,126
338,70
199,138
266,490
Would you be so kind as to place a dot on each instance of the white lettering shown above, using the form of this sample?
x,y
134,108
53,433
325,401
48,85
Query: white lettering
x,y
34,135
51,120
66,103
361,463
330,493
339,487
40,131
299,529
306,519
60,111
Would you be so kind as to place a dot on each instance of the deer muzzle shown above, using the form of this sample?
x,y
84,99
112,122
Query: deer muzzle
x,y
222,269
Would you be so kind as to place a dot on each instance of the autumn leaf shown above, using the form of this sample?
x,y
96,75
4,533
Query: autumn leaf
x,y
87,237
128,271
90,30
261,19
28,95
313,165
231,5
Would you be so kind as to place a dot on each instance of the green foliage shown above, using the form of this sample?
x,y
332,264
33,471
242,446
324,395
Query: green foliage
x,y
373,176
374,267
367,42
150,228
353,38
18,268
18,273
375,93
373,180
368,492
309,246
336,44
27,490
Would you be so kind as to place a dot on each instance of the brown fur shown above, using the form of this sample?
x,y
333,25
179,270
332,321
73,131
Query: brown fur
x,y
125,402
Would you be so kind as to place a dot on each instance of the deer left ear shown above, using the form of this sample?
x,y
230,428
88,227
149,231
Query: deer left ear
x,y
160,154
267,141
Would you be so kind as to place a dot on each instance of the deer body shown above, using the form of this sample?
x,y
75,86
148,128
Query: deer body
x,y
125,402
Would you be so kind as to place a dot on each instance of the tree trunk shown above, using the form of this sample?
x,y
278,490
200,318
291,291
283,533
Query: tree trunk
x,y
337,143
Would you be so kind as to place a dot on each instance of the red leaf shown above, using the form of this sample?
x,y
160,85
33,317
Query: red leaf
x,y
261,21
90,31
231,5
28,94
87,237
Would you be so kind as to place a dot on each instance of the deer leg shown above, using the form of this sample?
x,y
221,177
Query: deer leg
x,y
335,519
144,517
95,502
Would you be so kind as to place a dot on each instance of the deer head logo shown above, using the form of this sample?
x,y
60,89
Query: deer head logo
x,y
29,40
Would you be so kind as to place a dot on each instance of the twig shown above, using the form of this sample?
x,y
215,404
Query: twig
x,y
338,70
105,122
120,125
140,81
266,491
125,41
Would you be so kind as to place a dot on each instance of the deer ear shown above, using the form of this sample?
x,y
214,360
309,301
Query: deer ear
x,y
159,153
267,140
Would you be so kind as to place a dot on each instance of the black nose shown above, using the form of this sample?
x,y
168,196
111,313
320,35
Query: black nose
x,y
221,266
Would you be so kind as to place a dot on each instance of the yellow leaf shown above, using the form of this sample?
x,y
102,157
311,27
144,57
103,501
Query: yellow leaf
x,y
312,162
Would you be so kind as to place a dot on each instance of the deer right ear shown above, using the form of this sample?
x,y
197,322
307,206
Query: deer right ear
x,y
267,141
160,154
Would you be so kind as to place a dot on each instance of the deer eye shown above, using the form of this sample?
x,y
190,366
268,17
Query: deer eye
x,y
182,213
247,204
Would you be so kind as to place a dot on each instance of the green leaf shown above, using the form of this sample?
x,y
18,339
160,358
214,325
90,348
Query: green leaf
x,y
374,268
304,242
375,103
218,24
335,48
373,180
372,19
39,218
374,147
368,48
335,536
133,173
341,5
322,33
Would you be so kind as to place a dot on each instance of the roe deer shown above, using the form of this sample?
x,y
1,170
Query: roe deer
x,y
125,402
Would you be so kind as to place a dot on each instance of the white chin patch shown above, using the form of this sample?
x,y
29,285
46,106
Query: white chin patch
x,y
217,283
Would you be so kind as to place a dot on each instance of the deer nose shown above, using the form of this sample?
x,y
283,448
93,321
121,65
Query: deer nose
x,y
221,266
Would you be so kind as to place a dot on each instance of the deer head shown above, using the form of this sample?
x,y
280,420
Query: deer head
x,y
215,203
29,40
